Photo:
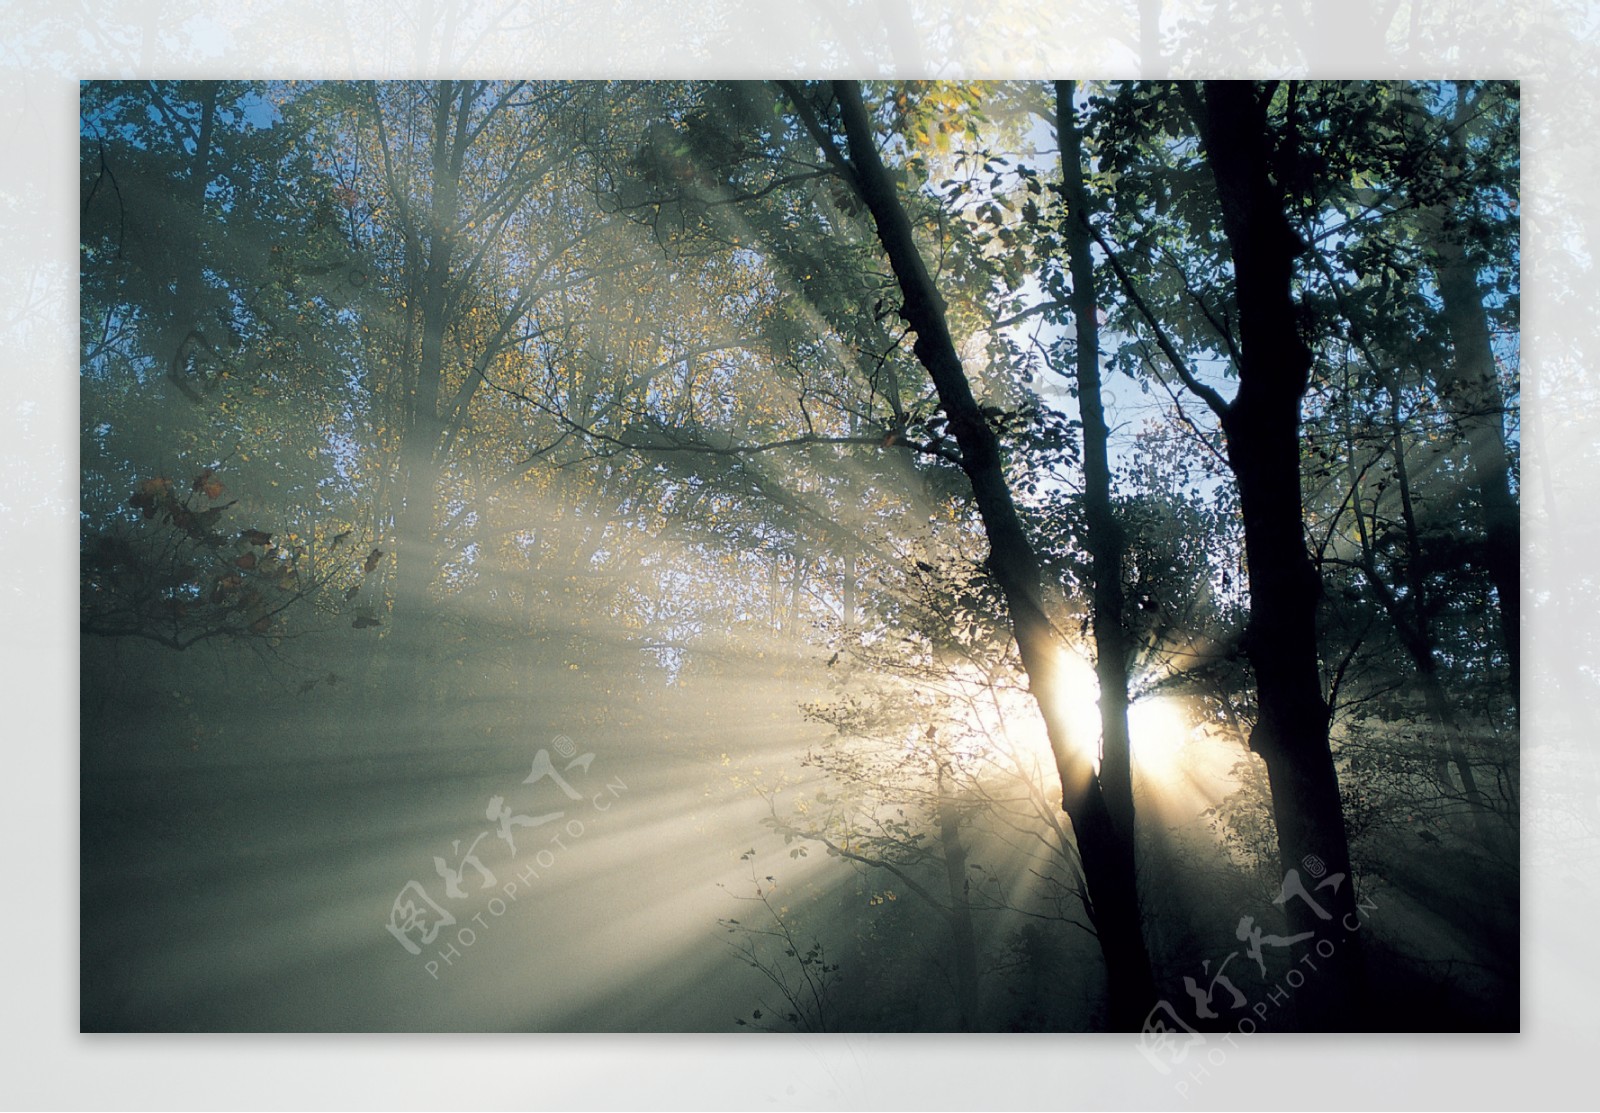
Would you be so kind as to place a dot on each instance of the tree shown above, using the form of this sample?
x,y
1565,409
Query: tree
x,y
1251,167
1455,227
1262,426
200,228
1103,532
689,403
1107,856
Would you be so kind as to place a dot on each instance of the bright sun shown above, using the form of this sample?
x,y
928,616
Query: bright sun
x,y
1159,729
1158,725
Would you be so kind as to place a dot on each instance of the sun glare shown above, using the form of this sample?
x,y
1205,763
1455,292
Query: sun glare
x,y
1083,702
1159,730
1158,726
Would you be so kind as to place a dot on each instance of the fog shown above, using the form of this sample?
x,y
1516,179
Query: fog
x,y
529,584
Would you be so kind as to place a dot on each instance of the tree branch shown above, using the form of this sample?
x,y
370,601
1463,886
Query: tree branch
x,y
1205,393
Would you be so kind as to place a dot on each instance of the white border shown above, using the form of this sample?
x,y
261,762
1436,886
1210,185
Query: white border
x,y
46,1064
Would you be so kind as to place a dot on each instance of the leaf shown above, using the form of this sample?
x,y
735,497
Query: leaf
x,y
372,560
363,622
255,537
355,589
246,561
144,499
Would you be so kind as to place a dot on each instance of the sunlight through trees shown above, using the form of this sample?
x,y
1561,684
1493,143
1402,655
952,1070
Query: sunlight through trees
x,y
999,536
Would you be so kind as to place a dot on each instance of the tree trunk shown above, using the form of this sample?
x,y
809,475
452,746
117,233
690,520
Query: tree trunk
x,y
960,914
1107,857
183,323
1469,387
1262,426
1416,631
1104,538
416,551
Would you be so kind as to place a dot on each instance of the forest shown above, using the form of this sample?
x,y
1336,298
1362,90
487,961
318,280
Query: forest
x,y
800,556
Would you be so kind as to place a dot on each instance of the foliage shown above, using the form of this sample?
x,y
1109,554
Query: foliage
x,y
803,976
612,383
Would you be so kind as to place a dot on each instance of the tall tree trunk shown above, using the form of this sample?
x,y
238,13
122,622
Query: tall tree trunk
x,y
847,594
797,587
965,940
1416,631
417,552
1262,426
182,342
1107,857
1469,387
1104,538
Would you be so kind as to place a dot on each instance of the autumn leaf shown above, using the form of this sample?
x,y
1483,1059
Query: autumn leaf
x,y
372,560
149,492
261,625
362,622
255,537
203,521
247,561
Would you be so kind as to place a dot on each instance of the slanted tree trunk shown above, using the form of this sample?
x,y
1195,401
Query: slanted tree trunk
x,y
1107,857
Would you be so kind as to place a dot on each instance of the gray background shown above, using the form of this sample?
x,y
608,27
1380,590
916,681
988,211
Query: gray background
x,y
45,49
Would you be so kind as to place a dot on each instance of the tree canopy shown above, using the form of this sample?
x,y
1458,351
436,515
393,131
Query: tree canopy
x,y
956,555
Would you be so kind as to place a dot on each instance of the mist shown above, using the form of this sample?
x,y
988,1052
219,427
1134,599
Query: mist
x,y
531,581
